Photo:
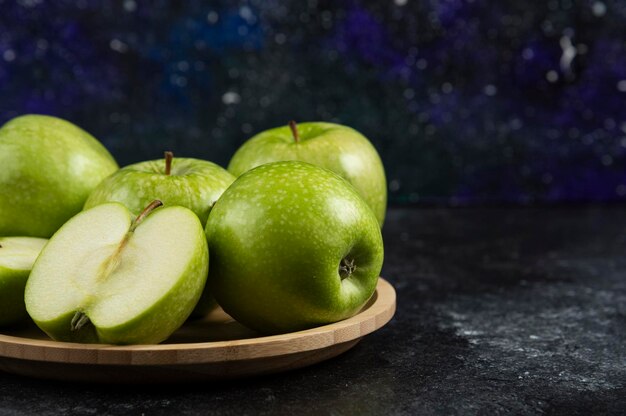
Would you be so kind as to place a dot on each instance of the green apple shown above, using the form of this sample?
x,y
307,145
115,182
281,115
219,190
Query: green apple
x,y
341,149
192,183
17,255
292,246
48,168
108,279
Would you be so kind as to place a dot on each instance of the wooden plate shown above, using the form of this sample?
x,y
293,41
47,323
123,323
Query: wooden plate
x,y
211,349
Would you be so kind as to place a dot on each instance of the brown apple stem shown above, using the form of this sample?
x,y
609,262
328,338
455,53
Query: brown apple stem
x,y
168,162
294,130
79,320
147,210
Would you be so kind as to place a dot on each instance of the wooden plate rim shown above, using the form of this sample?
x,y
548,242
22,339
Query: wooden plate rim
x,y
379,312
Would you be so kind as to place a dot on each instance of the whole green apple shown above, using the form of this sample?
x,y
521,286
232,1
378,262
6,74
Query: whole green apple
x,y
108,279
48,168
292,246
192,183
341,149
17,255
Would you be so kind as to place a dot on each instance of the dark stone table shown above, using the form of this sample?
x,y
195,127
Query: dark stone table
x,y
500,311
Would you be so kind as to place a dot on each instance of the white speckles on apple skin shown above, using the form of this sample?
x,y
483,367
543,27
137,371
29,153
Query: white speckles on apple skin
x,y
338,148
49,167
195,184
276,238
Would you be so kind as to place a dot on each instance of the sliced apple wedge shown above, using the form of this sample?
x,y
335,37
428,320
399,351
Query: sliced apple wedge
x,y
17,255
108,279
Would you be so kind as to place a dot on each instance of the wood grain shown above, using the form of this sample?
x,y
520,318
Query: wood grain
x,y
210,349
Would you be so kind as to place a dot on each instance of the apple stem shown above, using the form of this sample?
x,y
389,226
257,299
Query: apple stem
x,y
79,320
168,162
147,210
294,130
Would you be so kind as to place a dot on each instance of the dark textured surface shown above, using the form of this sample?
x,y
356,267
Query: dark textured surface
x,y
499,311
467,101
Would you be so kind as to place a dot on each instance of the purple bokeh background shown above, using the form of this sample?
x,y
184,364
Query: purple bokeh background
x,y
468,102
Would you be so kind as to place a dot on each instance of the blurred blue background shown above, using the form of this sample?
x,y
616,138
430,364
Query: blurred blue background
x,y
468,102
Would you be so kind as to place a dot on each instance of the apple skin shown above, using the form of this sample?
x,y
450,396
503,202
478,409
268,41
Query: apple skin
x,y
277,237
338,148
13,279
154,324
49,168
193,183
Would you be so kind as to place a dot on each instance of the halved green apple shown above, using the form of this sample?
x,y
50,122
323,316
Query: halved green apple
x,y
17,255
108,279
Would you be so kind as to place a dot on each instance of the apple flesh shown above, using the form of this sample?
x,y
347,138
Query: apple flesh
x,y
48,169
17,255
292,246
192,183
106,279
339,148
